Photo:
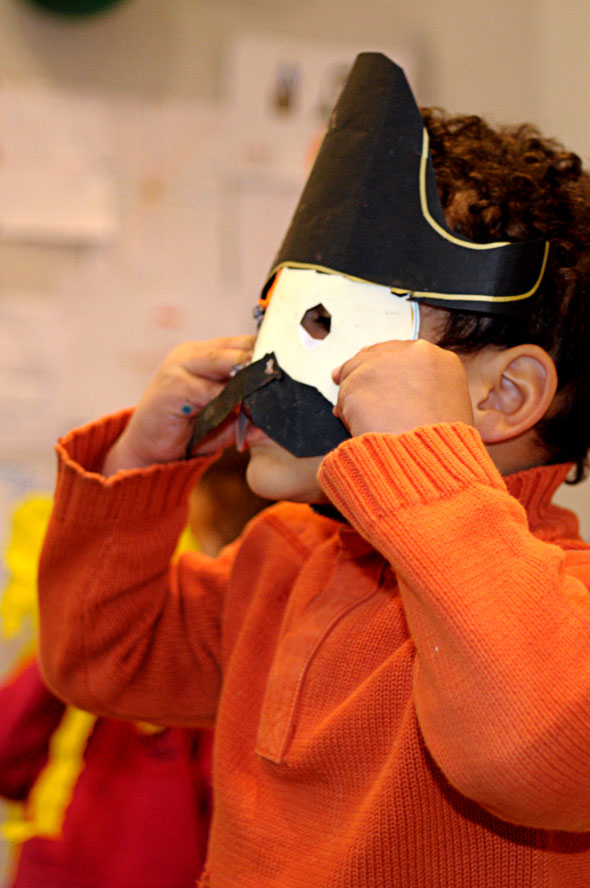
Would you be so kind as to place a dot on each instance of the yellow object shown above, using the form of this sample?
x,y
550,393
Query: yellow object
x,y
186,541
18,606
44,813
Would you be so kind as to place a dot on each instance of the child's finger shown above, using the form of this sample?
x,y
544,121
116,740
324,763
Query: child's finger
x,y
214,359
336,374
340,373
194,395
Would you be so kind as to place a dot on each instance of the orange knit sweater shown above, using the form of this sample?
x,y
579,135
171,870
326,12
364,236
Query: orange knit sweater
x,y
402,702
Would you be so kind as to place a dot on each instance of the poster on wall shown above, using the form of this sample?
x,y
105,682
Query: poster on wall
x,y
32,332
91,338
282,90
163,280
56,175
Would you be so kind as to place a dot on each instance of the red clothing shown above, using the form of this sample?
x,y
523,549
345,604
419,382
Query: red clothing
x,y
139,813
400,702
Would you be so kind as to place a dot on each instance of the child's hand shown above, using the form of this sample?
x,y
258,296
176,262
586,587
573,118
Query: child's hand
x,y
192,375
397,386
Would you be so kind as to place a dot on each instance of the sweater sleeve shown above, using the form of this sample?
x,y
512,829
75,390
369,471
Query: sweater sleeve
x,y
124,631
500,620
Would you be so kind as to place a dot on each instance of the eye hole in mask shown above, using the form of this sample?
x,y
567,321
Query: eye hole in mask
x,y
315,325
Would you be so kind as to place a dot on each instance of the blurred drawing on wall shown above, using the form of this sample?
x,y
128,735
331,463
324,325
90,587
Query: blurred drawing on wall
x,y
282,90
31,371
56,177
161,281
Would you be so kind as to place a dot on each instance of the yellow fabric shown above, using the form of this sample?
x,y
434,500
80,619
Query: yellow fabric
x,y
19,601
186,541
45,810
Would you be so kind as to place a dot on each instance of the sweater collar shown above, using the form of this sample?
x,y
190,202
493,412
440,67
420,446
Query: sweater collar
x,y
534,489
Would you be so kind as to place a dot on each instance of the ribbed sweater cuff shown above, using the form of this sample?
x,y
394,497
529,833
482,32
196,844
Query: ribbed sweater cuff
x,y
146,493
378,474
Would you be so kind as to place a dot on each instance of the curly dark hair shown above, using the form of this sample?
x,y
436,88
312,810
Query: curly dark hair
x,y
512,184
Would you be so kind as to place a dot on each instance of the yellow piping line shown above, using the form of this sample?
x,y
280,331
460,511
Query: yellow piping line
x,y
469,245
426,212
325,270
420,294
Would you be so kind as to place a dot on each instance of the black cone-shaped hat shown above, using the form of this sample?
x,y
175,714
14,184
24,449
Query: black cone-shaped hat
x,y
370,209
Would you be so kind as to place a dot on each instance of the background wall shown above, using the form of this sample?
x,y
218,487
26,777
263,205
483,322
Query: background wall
x,y
510,61
472,54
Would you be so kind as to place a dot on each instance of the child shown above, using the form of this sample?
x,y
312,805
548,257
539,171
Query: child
x,y
400,684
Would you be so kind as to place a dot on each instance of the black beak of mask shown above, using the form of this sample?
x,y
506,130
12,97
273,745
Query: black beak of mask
x,y
367,244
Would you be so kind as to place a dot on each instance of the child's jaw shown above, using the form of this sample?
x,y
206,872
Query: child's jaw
x,y
275,473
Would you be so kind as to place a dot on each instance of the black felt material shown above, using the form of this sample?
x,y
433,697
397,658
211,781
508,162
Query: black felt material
x,y
296,416
293,414
360,212
247,380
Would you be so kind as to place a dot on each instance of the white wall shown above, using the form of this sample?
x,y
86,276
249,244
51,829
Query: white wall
x,y
474,55
563,72
513,61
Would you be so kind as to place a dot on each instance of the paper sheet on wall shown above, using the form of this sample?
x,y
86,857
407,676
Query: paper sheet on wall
x,y
56,175
31,371
163,280
282,90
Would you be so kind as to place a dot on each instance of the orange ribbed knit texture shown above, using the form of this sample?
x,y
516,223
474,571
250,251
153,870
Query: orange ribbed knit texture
x,y
399,703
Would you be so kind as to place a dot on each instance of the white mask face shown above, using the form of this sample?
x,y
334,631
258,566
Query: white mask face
x,y
315,321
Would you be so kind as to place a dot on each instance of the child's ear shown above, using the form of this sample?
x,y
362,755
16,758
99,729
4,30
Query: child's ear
x,y
511,390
